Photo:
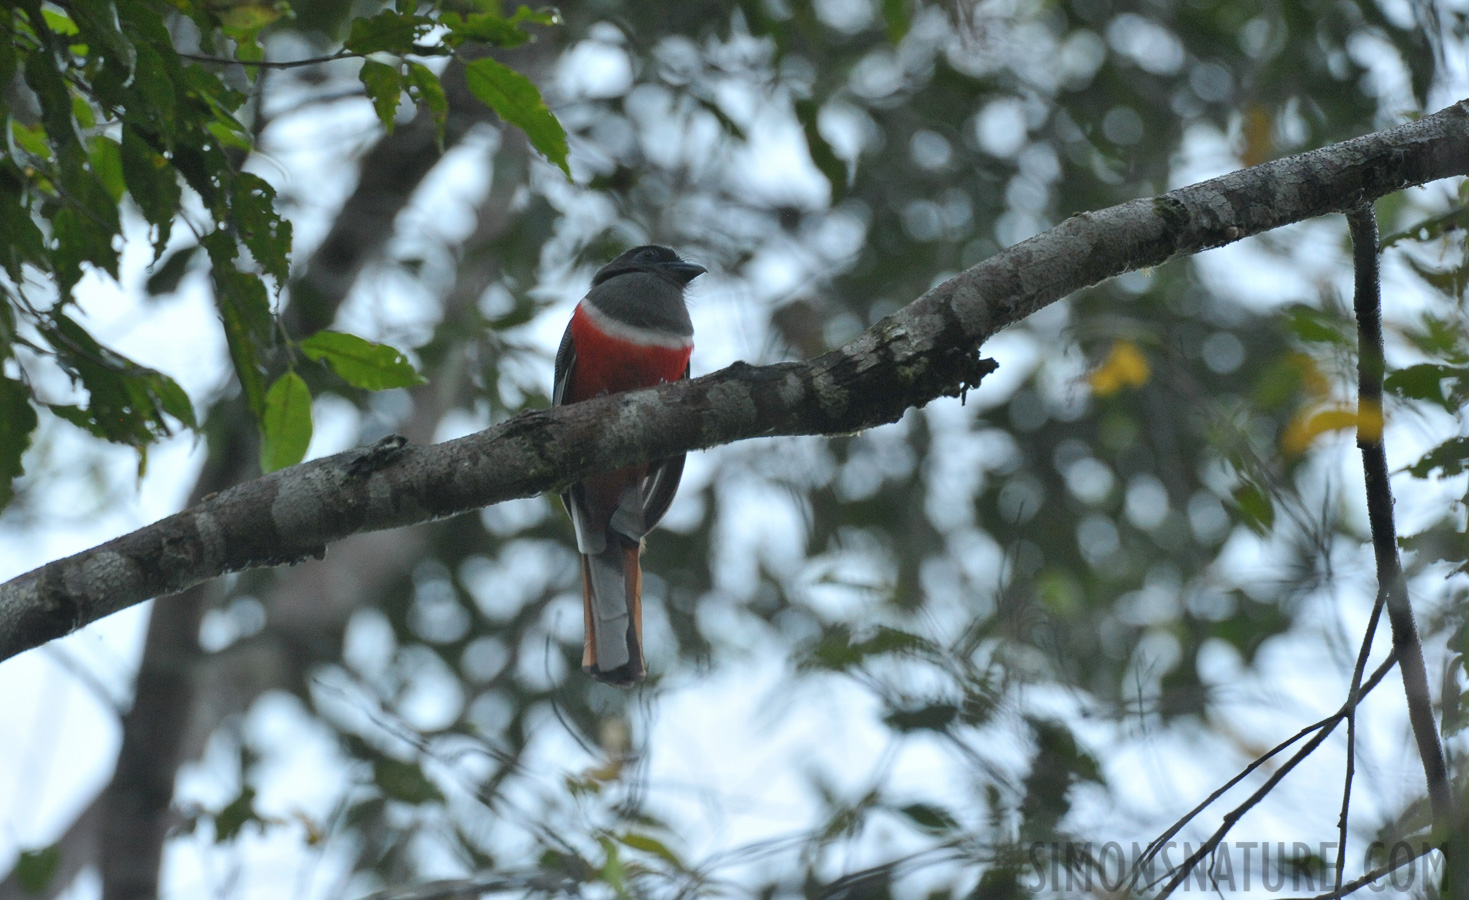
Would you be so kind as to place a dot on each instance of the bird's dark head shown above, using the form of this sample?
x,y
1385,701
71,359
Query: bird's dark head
x,y
651,258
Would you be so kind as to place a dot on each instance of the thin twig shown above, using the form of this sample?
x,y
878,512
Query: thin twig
x,y
1353,697
1392,866
269,64
1391,587
1324,728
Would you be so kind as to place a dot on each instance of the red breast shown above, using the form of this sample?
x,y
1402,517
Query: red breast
x,y
613,356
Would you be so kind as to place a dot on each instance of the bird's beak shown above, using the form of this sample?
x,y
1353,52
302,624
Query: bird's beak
x,y
684,271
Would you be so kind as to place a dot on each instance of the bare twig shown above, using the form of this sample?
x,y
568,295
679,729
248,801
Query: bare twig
x,y
1391,587
1392,866
1353,697
270,64
1323,730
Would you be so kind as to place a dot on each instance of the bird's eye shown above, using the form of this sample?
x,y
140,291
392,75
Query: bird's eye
x,y
648,254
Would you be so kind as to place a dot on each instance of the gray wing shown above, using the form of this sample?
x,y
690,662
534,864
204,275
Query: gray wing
x,y
565,359
660,484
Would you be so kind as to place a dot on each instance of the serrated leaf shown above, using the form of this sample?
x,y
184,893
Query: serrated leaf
x,y
153,184
243,306
261,228
126,402
404,781
425,88
386,32
360,362
384,88
822,155
516,100
35,869
17,421
286,425
484,28
83,231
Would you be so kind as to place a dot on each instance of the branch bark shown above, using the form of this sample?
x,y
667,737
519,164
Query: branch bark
x,y
922,352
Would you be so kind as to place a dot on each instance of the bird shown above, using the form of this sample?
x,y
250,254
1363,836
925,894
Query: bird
x,y
632,330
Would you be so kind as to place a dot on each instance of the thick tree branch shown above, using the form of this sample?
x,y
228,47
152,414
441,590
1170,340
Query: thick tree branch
x,y
924,351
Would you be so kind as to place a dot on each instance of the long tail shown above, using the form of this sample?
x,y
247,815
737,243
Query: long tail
x,y
612,601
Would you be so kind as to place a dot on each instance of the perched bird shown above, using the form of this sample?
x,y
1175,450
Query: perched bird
x,y
631,331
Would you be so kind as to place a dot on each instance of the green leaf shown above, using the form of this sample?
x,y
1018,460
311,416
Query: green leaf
x,y
151,100
83,230
837,651
1311,325
21,240
651,845
361,363
384,88
106,158
404,781
515,99
895,15
245,310
425,88
46,80
825,158
1449,458
36,868
260,226
1425,382
933,717
1444,542
1456,219
1254,507
485,27
386,32
126,402
229,821
165,278
153,184
286,426
17,421
31,139
929,817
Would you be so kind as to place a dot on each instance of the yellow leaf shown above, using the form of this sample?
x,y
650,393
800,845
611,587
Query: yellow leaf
x,y
1258,135
1125,366
1313,381
1309,424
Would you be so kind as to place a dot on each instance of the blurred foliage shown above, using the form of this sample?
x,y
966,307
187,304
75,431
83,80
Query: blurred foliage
x,y
103,105
1064,535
